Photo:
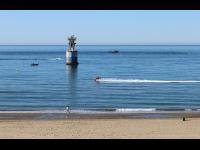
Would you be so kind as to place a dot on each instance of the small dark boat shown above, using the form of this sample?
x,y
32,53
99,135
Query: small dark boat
x,y
34,64
114,51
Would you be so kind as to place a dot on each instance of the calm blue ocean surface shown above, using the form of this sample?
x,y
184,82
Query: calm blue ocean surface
x,y
53,85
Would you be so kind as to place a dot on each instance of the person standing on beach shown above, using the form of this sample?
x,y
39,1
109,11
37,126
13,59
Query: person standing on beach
x,y
67,110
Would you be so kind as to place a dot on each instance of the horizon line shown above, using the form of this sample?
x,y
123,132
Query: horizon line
x,y
101,44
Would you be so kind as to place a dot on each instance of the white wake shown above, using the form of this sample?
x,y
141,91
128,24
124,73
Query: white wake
x,y
111,80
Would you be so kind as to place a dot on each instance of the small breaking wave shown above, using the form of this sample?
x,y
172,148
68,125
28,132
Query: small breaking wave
x,y
135,109
55,59
110,80
112,110
104,111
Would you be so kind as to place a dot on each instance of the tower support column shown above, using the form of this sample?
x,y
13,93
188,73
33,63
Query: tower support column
x,y
72,53
72,57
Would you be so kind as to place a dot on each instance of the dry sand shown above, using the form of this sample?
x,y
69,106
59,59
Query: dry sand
x,y
101,128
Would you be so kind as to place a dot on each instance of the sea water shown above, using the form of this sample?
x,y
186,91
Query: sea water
x,y
138,78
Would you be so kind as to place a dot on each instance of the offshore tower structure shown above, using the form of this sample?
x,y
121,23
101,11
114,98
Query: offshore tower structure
x,y
72,53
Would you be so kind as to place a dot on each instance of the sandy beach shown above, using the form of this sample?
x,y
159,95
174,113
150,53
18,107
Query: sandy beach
x,y
101,128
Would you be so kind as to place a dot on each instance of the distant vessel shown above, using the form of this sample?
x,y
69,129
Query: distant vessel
x,y
114,51
34,64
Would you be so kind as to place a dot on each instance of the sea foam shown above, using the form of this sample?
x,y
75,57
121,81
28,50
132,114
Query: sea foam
x,y
135,109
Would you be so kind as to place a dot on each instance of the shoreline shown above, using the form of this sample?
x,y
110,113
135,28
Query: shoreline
x,y
60,115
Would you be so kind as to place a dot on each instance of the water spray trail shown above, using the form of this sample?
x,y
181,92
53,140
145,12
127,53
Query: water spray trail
x,y
111,80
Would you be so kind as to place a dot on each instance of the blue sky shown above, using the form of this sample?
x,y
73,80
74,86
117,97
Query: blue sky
x,y
100,27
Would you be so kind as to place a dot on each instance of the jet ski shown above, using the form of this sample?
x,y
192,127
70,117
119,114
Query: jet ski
x,y
97,79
